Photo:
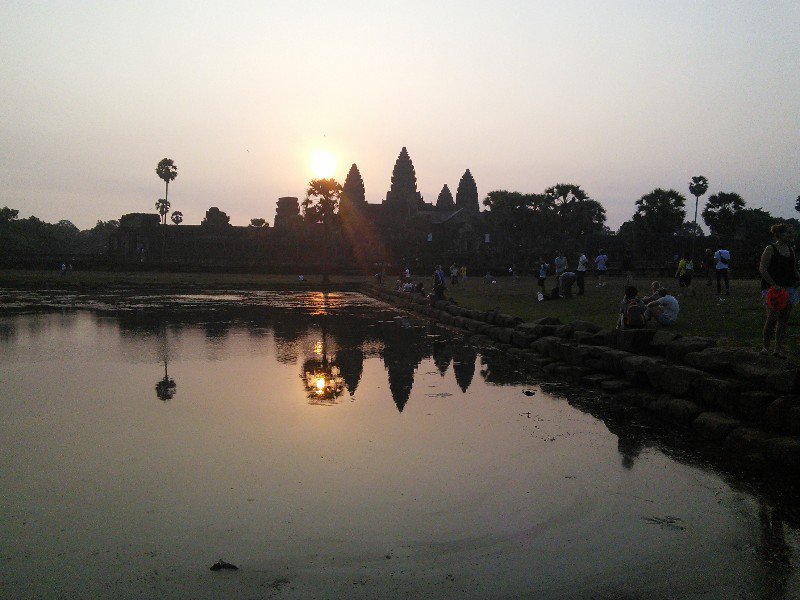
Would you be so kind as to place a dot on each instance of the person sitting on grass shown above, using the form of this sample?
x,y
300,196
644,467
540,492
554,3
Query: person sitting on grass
x,y
664,309
632,311
654,287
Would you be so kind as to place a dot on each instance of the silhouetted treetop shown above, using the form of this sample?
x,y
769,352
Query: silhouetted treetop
x,y
721,213
698,186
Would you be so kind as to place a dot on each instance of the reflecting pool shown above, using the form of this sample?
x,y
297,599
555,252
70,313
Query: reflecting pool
x,y
330,446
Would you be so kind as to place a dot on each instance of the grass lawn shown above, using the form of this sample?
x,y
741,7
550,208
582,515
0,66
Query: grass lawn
x,y
737,320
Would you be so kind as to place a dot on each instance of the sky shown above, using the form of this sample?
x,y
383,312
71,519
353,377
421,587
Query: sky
x,y
619,97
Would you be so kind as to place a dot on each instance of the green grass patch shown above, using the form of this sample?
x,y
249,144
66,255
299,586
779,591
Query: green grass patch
x,y
736,320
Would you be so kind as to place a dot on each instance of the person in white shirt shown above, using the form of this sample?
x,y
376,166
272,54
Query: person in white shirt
x,y
664,309
583,262
601,262
722,259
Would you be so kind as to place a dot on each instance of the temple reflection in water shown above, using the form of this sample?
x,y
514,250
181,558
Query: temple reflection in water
x,y
329,342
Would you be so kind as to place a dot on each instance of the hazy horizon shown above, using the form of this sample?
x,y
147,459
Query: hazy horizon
x,y
619,98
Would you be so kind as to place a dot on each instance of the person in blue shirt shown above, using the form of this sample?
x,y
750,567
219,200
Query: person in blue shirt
x,y
601,262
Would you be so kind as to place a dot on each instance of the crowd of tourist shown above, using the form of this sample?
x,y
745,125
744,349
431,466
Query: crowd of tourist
x,y
778,269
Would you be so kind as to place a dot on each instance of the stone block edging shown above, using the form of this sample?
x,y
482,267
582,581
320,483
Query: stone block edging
x,y
749,402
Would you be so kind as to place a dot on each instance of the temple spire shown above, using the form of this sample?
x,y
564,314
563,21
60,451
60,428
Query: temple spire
x,y
445,199
403,194
353,188
467,193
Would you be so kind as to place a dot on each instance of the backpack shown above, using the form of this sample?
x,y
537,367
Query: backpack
x,y
634,317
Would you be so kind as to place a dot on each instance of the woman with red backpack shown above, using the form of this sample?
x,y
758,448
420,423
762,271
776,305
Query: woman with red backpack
x,y
779,281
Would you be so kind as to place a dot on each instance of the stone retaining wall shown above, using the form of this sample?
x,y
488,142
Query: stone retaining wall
x,y
746,401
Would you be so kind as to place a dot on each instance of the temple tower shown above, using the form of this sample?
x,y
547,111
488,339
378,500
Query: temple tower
x,y
403,195
288,210
467,193
353,193
445,199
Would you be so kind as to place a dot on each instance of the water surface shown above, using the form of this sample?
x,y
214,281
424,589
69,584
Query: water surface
x,y
330,446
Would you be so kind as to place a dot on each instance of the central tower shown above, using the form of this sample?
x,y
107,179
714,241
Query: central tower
x,y
403,196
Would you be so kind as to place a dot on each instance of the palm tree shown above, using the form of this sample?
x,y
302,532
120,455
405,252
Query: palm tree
x,y
319,206
177,217
697,187
162,205
166,170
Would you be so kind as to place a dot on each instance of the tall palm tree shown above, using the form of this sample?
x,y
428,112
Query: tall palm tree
x,y
168,171
697,187
320,204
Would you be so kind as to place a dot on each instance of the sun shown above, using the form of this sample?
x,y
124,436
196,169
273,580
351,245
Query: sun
x,y
323,164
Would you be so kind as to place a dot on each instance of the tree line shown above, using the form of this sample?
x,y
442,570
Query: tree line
x,y
565,218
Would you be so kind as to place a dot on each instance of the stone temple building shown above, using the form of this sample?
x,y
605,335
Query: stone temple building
x,y
402,229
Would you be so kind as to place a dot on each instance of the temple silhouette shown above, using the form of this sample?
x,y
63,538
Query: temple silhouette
x,y
402,229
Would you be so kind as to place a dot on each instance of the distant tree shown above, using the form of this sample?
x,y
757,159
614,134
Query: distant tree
x,y
162,206
659,215
177,217
10,214
258,222
722,212
797,204
95,240
68,225
577,215
319,206
697,187
168,171
511,217
689,229
215,218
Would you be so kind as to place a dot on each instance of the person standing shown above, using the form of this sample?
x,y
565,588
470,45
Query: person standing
x,y
453,274
541,277
601,262
560,264
779,282
581,272
722,259
438,283
684,273
627,267
708,264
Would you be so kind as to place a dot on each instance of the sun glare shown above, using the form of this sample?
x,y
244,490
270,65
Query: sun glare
x,y
323,164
